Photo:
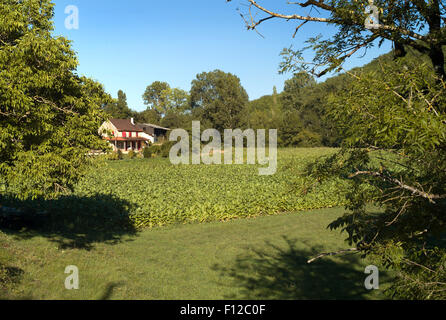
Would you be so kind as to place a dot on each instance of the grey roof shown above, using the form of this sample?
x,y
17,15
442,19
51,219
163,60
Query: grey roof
x,y
142,125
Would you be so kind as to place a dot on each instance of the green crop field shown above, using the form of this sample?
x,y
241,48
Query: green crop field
x,y
161,193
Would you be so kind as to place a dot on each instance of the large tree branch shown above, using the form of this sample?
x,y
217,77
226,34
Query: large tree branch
x,y
349,54
55,106
321,5
351,250
289,17
401,185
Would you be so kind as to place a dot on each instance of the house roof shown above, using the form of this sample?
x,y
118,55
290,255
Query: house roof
x,y
142,125
125,125
126,139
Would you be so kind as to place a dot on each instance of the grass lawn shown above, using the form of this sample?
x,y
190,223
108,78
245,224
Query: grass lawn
x,y
257,258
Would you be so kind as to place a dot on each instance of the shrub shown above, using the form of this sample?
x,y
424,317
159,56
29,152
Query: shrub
x,y
131,154
112,156
155,149
147,152
119,154
165,148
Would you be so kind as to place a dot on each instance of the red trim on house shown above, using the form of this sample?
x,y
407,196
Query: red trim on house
x,y
126,139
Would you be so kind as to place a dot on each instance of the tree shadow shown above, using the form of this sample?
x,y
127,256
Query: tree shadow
x,y
9,276
110,287
282,273
70,221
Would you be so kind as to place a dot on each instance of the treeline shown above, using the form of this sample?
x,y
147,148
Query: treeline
x,y
219,101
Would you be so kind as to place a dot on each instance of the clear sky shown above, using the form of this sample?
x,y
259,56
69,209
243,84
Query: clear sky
x,y
129,44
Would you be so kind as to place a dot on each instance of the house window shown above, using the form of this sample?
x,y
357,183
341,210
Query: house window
x,y
124,134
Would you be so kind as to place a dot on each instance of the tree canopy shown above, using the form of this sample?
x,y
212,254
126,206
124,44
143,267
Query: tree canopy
x,y
49,116
220,99
391,116
119,108
159,96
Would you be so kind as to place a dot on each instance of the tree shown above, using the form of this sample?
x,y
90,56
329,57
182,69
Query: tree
x,y
119,108
219,99
292,95
122,103
149,116
394,156
178,100
416,24
155,96
49,116
160,97
393,121
174,120
265,113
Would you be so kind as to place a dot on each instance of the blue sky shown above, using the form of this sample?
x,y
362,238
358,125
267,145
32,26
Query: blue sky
x,y
129,44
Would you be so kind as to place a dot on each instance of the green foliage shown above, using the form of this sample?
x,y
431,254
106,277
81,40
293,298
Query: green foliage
x,y
112,156
155,96
148,116
119,154
155,149
294,90
393,121
161,98
131,154
48,114
164,194
407,24
147,152
219,100
161,150
119,109
165,148
420,271
175,119
299,112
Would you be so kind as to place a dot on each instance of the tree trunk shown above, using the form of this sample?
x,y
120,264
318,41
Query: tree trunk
x,y
437,57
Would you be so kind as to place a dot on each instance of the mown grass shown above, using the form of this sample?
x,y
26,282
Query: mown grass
x,y
258,258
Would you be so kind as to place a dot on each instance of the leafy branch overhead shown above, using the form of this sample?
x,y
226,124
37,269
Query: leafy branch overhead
x,y
416,24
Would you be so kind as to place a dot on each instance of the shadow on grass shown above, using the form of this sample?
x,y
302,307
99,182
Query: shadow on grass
x,y
108,292
69,221
9,276
282,273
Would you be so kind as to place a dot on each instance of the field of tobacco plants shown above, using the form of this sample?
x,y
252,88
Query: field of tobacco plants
x,y
161,194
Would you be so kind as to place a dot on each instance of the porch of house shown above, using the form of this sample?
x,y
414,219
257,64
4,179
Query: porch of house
x,y
125,145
